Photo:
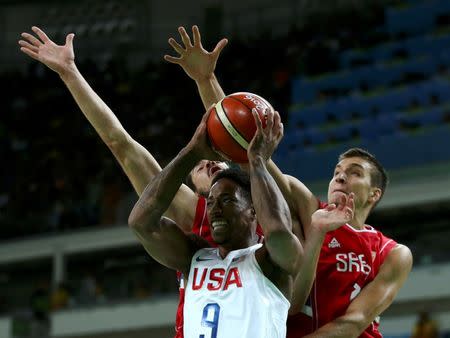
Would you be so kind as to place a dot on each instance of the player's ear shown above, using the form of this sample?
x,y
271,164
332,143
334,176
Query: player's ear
x,y
375,195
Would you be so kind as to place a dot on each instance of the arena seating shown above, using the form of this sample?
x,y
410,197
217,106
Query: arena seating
x,y
394,95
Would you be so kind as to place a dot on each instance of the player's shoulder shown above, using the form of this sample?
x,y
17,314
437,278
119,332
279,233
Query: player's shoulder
x,y
398,261
401,253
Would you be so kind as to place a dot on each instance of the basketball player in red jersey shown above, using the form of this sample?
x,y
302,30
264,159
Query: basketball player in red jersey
x,y
360,271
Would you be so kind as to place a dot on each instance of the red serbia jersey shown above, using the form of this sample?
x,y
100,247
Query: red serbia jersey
x,y
201,228
349,260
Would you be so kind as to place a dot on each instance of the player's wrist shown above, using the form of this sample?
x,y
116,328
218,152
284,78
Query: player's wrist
x,y
204,79
69,72
318,229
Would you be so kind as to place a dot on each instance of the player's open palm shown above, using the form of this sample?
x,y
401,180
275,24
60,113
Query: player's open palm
x,y
268,134
196,61
335,215
58,58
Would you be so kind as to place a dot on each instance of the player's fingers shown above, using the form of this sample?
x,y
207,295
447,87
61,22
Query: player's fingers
x,y
176,46
330,207
31,39
219,47
351,201
269,118
342,202
276,122
40,33
69,40
257,119
185,37
30,53
28,45
280,132
172,59
196,36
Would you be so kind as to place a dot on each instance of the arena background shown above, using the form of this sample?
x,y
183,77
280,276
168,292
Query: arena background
x,y
342,73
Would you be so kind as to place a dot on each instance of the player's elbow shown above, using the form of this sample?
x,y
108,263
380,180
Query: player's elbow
x,y
134,220
138,219
120,144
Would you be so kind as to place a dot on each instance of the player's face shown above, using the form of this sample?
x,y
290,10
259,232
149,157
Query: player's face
x,y
352,175
204,172
230,214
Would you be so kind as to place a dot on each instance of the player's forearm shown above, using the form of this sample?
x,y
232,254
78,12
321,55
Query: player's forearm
x,y
307,271
93,107
160,192
210,90
268,200
138,164
341,327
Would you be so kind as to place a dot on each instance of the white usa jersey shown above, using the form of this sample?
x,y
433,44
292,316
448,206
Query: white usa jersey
x,y
231,298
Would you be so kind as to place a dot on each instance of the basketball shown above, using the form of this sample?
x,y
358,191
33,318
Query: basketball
x,y
231,125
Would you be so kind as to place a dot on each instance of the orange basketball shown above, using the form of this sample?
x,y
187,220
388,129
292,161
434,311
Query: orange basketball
x,y
231,125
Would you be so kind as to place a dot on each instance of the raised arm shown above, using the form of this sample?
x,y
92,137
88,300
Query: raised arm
x,y
272,211
302,202
322,221
199,64
138,164
373,299
163,241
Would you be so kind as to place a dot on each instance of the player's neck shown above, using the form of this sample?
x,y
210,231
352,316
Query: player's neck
x,y
359,219
225,249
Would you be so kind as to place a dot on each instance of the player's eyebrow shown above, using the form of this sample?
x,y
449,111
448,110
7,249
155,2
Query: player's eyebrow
x,y
356,165
351,165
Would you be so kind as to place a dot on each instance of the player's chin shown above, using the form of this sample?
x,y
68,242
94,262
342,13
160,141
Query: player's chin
x,y
219,237
335,197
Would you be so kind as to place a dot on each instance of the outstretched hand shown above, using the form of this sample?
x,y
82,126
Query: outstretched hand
x,y
197,62
59,58
335,215
266,138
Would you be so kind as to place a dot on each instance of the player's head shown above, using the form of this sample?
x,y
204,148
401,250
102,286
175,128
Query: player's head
x,y
230,209
200,177
359,172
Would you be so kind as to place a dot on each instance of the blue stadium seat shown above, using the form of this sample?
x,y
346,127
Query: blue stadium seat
x,y
314,136
411,20
431,117
308,116
342,133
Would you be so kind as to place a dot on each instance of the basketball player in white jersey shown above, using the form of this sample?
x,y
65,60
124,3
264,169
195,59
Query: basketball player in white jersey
x,y
241,288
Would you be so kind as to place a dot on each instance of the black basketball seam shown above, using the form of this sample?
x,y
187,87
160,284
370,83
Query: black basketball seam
x,y
225,112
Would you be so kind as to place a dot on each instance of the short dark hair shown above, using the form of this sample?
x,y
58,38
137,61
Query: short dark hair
x,y
378,175
190,183
238,176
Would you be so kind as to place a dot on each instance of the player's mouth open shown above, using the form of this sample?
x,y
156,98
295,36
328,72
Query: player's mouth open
x,y
213,170
218,224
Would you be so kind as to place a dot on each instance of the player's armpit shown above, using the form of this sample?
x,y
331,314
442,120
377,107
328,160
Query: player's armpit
x,y
373,299
168,244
